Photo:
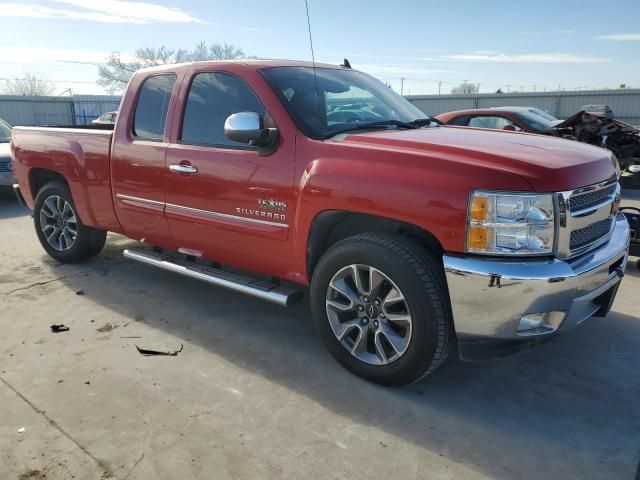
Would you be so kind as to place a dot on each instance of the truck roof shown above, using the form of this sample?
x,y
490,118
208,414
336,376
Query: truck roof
x,y
256,64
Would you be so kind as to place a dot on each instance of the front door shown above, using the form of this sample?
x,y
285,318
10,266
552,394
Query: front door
x,y
225,201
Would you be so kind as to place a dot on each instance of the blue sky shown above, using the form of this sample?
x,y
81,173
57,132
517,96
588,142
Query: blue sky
x,y
509,44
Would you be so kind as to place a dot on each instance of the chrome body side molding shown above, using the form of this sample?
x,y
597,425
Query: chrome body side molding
x,y
182,210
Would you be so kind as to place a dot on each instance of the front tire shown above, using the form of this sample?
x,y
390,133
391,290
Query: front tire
x,y
59,228
380,304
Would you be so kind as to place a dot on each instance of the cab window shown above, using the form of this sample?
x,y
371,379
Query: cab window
x,y
151,110
213,96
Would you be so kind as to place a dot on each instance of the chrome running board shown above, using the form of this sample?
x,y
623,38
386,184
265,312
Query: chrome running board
x,y
266,291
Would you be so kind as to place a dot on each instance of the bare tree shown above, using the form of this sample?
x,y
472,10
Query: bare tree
x,y
30,84
116,72
465,89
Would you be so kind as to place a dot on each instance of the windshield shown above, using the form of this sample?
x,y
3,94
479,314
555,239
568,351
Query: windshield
x,y
5,132
537,119
543,114
347,99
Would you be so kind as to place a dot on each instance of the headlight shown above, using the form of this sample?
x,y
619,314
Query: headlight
x,y
510,224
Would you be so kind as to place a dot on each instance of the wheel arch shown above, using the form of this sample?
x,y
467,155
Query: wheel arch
x,y
330,226
39,177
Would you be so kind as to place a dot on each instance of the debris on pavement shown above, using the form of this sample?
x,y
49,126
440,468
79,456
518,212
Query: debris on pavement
x,y
33,475
59,328
147,353
107,327
80,292
132,336
21,430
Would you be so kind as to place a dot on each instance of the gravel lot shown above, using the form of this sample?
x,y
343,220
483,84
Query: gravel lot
x,y
254,394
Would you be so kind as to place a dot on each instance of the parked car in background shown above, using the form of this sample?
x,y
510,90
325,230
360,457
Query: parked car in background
x,y
602,130
107,118
521,119
604,110
6,170
593,124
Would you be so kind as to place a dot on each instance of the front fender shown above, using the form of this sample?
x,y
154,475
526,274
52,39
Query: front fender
x,y
412,196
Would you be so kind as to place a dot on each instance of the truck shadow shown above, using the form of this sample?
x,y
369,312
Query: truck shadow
x,y
9,206
566,409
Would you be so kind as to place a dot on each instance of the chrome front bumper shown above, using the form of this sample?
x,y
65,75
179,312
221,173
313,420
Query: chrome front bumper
x,y
489,296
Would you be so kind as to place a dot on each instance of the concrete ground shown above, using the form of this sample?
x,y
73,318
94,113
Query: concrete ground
x,y
255,395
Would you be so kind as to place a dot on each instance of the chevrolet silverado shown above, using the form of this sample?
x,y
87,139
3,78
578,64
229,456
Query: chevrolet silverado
x,y
268,176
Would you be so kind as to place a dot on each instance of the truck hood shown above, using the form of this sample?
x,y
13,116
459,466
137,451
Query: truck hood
x,y
548,164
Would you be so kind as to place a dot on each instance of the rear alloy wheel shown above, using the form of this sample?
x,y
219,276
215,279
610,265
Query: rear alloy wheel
x,y
60,229
381,305
58,223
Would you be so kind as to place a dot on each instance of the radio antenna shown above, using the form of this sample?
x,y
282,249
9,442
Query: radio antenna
x,y
313,57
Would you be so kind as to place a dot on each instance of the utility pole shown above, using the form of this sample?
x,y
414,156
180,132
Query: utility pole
x,y
508,88
478,88
401,85
439,85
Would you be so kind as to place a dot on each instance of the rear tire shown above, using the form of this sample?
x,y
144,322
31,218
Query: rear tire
x,y
393,329
59,228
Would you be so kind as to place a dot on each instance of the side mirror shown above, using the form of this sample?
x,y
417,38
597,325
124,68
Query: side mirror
x,y
509,128
248,128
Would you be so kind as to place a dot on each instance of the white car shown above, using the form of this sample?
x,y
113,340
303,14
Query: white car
x,y
6,169
107,118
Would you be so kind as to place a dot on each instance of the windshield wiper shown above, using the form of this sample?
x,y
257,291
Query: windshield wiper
x,y
418,123
423,122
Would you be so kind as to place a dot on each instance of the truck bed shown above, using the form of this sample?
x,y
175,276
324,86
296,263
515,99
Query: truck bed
x,y
78,154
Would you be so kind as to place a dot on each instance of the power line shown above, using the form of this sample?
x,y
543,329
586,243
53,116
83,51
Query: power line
x,y
54,81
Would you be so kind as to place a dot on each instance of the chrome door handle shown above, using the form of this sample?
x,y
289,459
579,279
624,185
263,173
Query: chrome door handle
x,y
180,168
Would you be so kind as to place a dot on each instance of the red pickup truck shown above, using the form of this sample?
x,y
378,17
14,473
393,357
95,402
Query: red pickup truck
x,y
410,234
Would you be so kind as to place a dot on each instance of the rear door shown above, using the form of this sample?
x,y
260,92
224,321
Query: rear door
x,y
224,200
138,162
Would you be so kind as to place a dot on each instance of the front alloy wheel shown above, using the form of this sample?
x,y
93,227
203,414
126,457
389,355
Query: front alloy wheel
x,y
368,314
380,304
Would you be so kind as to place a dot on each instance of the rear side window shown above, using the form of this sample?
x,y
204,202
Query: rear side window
x,y
489,122
151,111
214,96
461,120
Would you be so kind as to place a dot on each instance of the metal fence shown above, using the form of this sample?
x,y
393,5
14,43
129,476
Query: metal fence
x,y
81,109
625,103
76,110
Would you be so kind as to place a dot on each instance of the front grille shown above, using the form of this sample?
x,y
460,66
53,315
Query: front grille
x,y
590,234
585,218
591,199
5,167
